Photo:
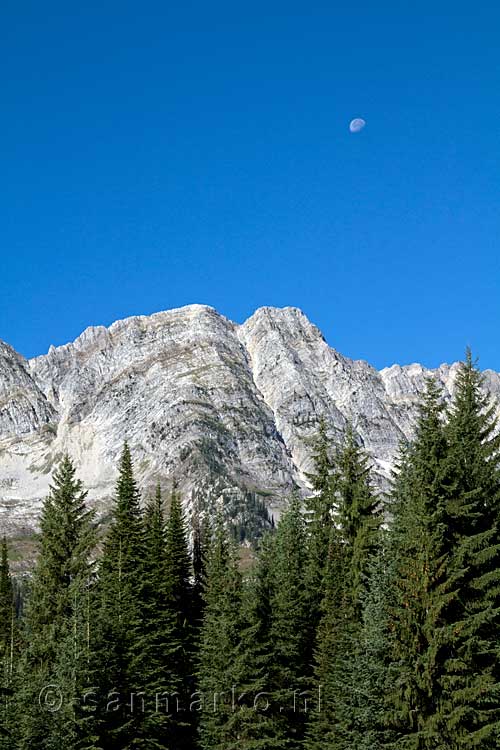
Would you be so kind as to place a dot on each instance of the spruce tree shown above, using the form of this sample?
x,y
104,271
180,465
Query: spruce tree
x,y
158,646
371,674
320,515
468,709
202,535
255,724
354,536
74,675
332,641
121,600
8,653
181,596
219,642
57,623
358,515
446,577
290,631
179,576
423,585
66,542
7,611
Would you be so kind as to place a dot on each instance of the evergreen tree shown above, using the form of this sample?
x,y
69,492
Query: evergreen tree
x,y
57,623
202,535
158,645
320,515
423,586
181,596
8,649
75,724
357,514
7,611
121,593
353,542
66,542
179,575
290,630
255,724
405,622
446,576
219,642
332,640
374,673
371,674
468,709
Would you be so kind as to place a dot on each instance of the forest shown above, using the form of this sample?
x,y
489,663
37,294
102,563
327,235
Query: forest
x,y
364,620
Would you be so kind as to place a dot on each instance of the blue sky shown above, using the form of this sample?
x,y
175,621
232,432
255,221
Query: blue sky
x,y
158,154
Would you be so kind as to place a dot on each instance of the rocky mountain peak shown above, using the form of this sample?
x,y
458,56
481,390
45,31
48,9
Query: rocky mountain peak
x,y
225,409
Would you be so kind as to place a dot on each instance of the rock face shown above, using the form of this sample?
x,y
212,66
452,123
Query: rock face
x,y
224,409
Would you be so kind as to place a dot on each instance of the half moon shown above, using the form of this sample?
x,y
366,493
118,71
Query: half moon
x,y
356,125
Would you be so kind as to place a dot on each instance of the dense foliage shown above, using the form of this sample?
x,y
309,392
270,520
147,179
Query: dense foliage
x,y
365,621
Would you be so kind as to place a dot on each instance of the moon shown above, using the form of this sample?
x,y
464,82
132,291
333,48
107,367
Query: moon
x,y
356,125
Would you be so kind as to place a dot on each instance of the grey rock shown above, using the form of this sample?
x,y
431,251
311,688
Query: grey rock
x,y
222,408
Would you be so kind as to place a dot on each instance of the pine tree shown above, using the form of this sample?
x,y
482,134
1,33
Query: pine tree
x,y
57,622
121,593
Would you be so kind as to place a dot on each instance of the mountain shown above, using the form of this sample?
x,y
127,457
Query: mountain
x,y
228,410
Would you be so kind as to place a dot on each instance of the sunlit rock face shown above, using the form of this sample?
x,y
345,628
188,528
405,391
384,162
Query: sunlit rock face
x,y
227,410
24,408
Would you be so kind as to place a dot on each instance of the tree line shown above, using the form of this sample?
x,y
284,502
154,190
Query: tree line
x,y
367,621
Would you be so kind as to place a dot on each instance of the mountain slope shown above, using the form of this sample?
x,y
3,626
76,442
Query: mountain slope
x,y
223,408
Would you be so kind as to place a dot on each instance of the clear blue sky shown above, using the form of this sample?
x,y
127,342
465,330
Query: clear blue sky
x,y
156,154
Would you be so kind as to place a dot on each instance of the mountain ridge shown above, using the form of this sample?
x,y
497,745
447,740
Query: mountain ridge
x,y
221,407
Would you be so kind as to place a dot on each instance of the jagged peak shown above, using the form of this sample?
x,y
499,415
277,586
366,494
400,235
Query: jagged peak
x,y
100,332
416,368
293,317
197,394
8,351
270,311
